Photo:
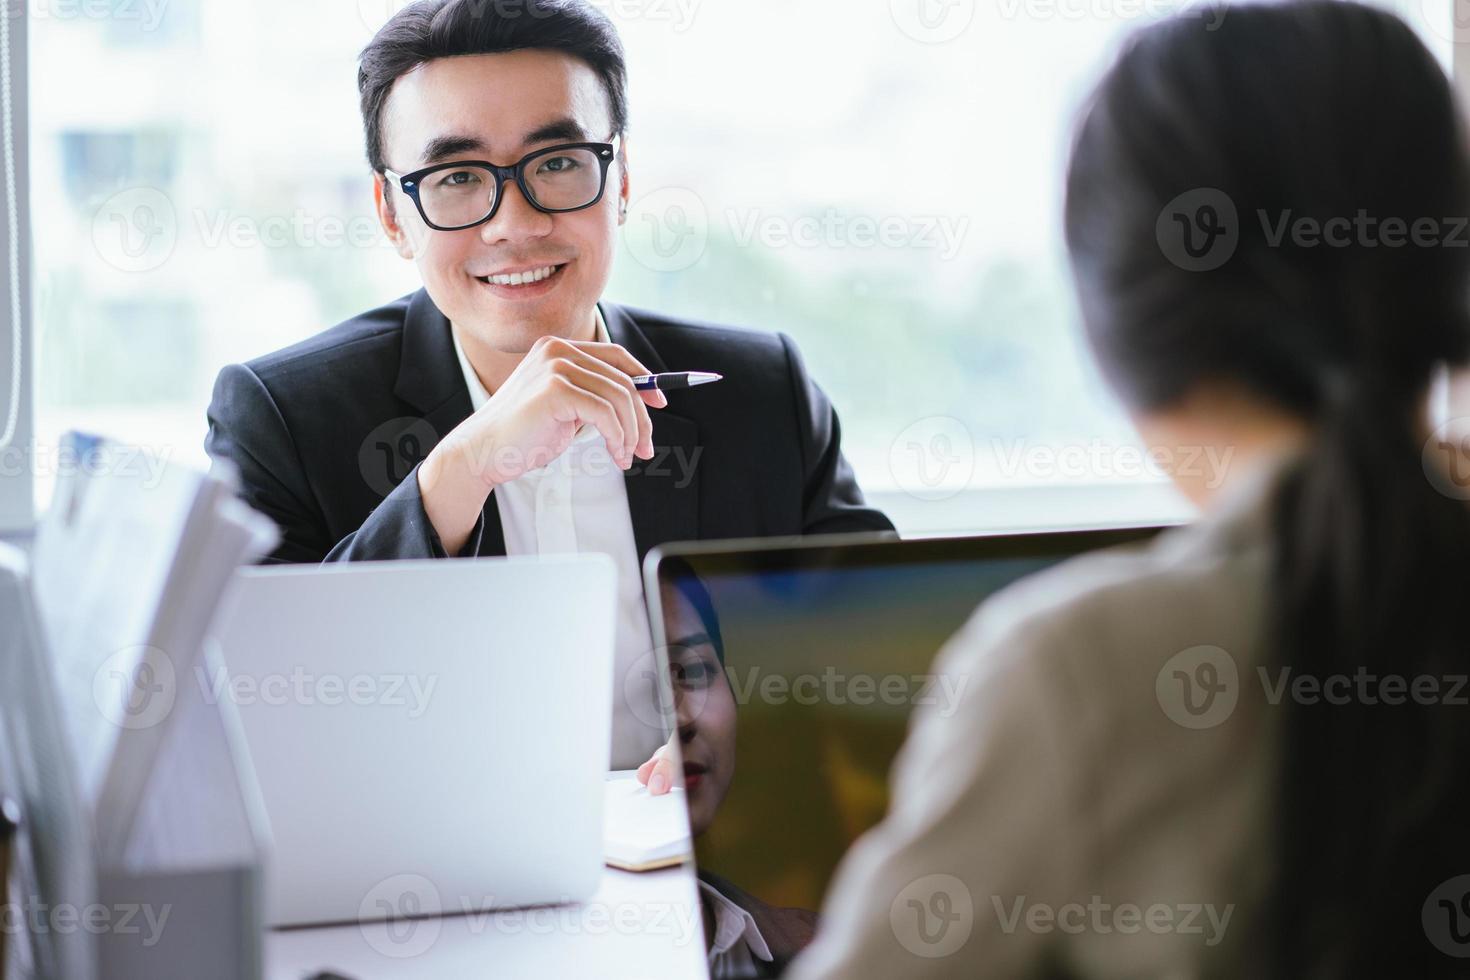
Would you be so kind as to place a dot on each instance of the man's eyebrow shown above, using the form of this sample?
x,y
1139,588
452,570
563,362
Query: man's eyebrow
x,y
565,129
451,145
456,144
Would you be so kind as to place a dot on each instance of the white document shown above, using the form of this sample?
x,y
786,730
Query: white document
x,y
130,565
642,831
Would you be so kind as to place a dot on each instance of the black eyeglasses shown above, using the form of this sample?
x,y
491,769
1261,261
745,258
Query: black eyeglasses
x,y
466,193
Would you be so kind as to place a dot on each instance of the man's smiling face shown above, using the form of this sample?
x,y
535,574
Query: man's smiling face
x,y
499,107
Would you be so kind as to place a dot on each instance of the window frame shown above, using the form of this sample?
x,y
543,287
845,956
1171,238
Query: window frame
x,y
18,483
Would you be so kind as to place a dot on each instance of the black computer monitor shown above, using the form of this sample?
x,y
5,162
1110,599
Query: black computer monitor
x,y
793,667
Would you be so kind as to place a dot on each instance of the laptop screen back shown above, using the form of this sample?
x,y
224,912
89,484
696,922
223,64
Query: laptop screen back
x,y
794,670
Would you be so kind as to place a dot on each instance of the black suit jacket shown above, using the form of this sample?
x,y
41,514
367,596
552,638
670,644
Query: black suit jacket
x,y
327,435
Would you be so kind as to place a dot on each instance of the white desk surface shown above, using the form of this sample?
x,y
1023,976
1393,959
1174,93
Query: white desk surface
x,y
637,926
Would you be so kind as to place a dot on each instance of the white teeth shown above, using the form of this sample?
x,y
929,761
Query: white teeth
x,y
520,278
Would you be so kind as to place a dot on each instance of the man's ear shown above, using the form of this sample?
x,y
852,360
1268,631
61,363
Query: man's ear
x,y
624,184
388,217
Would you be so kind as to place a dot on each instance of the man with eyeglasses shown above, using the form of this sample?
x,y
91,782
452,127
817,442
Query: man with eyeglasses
x,y
492,411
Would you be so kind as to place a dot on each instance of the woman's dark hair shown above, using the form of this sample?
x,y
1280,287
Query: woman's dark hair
x,y
680,574
1315,110
429,29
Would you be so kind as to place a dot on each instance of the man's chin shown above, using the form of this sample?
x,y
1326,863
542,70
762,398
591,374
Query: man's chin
x,y
514,332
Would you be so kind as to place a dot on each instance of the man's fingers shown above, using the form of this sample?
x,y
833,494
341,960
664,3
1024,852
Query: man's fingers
x,y
641,423
615,354
579,403
618,396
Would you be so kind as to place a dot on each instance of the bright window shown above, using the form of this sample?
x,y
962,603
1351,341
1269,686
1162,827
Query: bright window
x,y
881,180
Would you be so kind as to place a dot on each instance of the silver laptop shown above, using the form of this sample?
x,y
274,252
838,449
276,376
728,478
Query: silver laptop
x,y
429,737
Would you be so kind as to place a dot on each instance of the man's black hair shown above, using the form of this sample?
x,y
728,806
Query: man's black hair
x,y
430,29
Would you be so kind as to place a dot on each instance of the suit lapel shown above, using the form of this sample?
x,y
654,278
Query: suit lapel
x,y
430,380
663,493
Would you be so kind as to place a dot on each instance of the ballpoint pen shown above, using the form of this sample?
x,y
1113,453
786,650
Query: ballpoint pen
x,y
673,379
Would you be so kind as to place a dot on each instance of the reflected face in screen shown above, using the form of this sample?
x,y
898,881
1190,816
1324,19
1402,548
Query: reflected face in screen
x,y
498,108
704,705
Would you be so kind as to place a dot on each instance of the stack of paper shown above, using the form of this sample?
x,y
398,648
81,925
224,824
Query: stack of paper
x,y
129,566
641,831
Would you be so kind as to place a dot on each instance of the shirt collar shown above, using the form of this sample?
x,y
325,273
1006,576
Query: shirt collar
x,y
732,924
478,394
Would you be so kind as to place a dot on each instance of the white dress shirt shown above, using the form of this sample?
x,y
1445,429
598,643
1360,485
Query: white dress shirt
x,y
737,943
579,503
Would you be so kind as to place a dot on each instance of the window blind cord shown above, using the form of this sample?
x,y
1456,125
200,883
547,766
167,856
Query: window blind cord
x,y
12,220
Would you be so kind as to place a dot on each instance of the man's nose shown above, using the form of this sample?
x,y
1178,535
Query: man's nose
x,y
515,220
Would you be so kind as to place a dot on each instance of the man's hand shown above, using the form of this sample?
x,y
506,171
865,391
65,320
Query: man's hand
x,y
559,386
658,772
